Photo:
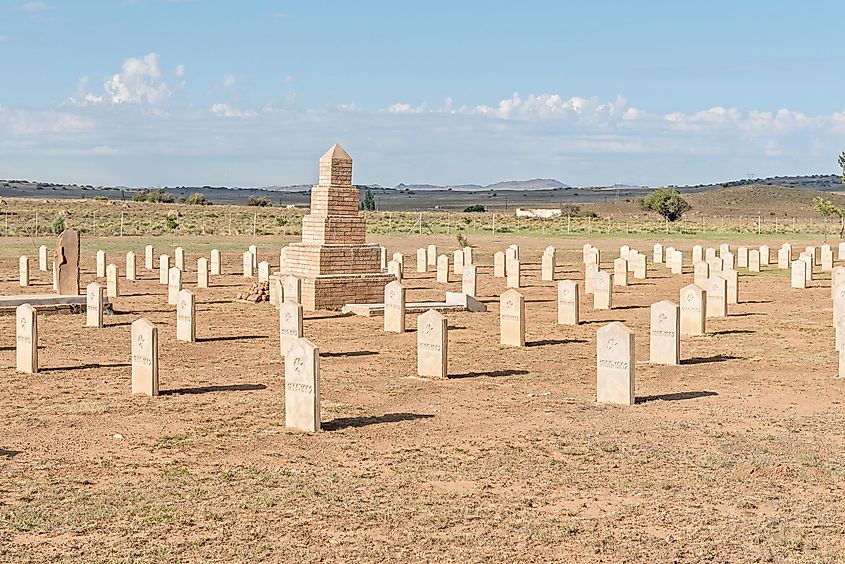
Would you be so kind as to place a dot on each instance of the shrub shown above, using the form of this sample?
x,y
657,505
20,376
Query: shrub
x,y
369,202
58,225
462,240
100,199
281,221
197,199
586,213
475,208
171,222
667,202
156,195
258,202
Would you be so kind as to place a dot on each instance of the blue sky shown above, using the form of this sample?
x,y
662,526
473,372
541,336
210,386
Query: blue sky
x,y
250,93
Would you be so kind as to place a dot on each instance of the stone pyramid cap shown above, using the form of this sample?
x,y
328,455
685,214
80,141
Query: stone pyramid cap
x,y
336,153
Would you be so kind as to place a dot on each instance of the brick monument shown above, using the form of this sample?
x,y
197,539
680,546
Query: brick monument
x,y
336,265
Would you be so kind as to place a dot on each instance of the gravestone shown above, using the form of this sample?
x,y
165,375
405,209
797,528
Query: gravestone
x,y
724,248
515,249
101,264
677,262
754,260
837,275
174,285
263,271
149,257
42,258
808,261
701,272
717,297
514,276
716,264
247,264
827,259
66,263
727,262
186,325
657,253
512,319
623,251
783,259
93,305
469,280
179,258
615,364
602,292
510,257
202,272
400,258
112,282
732,278
26,339
443,269
290,326
668,257
620,272
292,289
431,255
547,267
394,268
640,267
382,258
432,345
839,315
765,255
276,291
302,387
567,303
130,266
394,307
163,268
709,253
798,278
693,310
468,256
840,253
214,267
499,264
665,336
422,261
144,357
697,254
55,277
593,257
590,273
253,250
742,257
23,271
458,262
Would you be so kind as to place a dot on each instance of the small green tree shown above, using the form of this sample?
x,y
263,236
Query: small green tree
x,y
258,202
475,208
826,208
369,203
842,165
666,202
58,225
171,222
197,199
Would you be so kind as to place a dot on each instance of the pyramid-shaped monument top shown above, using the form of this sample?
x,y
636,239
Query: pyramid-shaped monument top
x,y
336,153
336,167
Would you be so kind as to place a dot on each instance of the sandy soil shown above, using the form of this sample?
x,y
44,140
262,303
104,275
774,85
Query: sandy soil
x,y
736,455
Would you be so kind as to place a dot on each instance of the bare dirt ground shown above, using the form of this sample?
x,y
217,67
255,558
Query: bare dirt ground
x,y
734,456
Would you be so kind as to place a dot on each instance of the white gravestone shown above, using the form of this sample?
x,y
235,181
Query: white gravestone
x,y
567,303
26,339
394,268
620,272
443,269
42,258
469,280
432,345
292,289
512,319
302,387
23,272
602,292
247,264
422,261
263,271
798,278
290,326
174,285
149,257
131,269
101,264
499,264
693,310
615,364
112,281
394,307
93,305
163,268
179,258
458,262
665,336
214,267
202,272
717,297
144,357
186,324
431,255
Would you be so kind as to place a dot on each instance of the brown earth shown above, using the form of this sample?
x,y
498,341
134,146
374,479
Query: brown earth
x,y
734,456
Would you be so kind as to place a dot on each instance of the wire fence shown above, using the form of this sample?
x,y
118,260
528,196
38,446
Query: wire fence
x,y
152,220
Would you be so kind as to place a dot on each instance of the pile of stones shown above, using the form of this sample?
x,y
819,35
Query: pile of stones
x,y
258,292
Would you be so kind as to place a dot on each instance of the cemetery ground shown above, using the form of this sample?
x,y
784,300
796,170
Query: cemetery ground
x,y
735,455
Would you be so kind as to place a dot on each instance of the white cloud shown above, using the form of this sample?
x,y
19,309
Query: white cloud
x,y
288,79
35,122
35,6
229,80
180,71
139,82
554,106
225,110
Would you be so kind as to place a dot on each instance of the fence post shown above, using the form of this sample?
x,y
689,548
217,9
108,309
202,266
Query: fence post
x,y
494,223
121,223
254,220
569,225
759,225
36,223
95,222
230,224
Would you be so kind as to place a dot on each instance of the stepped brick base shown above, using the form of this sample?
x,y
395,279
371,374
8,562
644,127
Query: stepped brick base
x,y
332,292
